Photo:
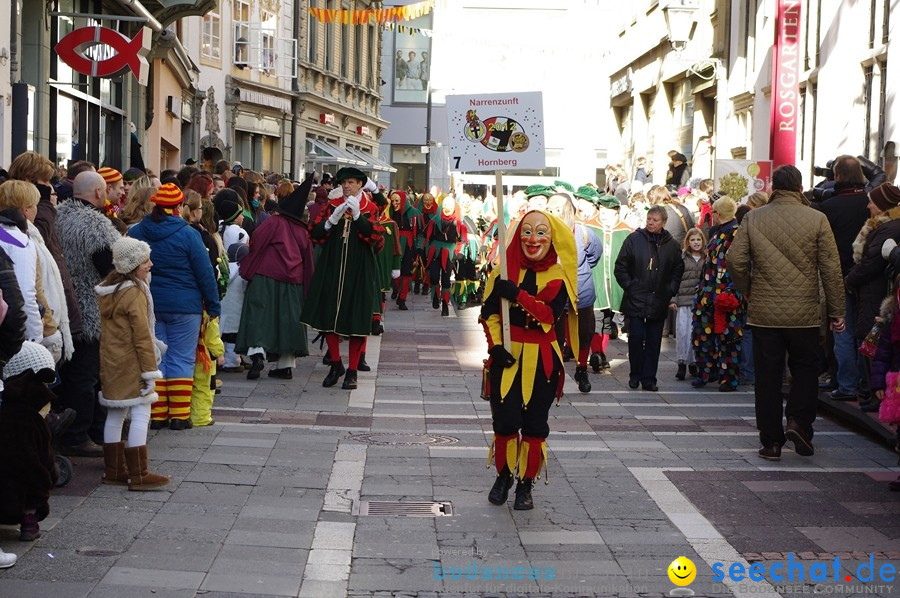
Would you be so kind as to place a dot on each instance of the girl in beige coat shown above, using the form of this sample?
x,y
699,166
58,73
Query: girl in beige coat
x,y
129,358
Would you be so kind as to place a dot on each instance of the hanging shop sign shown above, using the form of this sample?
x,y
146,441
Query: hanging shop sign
x,y
785,83
104,52
502,131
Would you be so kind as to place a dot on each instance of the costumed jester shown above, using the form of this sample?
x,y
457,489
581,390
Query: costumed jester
x,y
389,260
446,235
465,283
428,209
719,308
542,274
407,219
600,214
345,284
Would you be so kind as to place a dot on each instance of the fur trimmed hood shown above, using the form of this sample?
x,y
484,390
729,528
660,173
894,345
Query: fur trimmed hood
x,y
870,225
888,308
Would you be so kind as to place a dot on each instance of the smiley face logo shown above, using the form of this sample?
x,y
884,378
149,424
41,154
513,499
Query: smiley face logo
x,y
682,571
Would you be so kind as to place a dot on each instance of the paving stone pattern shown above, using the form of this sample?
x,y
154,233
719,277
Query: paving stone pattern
x,y
261,503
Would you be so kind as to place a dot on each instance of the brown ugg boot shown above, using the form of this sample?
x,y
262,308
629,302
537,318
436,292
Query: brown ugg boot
x,y
114,471
138,476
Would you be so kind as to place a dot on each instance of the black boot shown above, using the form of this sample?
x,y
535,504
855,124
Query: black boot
x,y
337,370
445,309
377,328
594,362
682,371
523,495
417,288
692,369
581,377
326,360
401,305
436,300
500,490
394,293
363,366
256,367
349,380
425,290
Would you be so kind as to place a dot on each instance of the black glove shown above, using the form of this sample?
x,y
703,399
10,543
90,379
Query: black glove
x,y
502,356
506,289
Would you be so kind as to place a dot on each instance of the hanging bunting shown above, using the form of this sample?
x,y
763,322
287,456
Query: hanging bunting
x,y
378,15
404,29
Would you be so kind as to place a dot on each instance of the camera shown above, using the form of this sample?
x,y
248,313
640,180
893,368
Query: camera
x,y
827,172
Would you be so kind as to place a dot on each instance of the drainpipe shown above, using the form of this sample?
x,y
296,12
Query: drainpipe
x,y
295,87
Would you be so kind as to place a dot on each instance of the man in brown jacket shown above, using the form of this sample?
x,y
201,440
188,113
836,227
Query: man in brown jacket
x,y
779,255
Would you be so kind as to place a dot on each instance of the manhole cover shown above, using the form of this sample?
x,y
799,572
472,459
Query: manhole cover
x,y
375,508
94,551
403,439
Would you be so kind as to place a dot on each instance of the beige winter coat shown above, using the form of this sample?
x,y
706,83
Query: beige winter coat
x,y
777,258
127,350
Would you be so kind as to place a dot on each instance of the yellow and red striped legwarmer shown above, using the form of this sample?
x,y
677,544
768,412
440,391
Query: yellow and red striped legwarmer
x,y
532,456
159,410
179,392
505,452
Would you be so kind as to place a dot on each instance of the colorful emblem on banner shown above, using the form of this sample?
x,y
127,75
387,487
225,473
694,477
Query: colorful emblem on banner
x,y
79,50
497,133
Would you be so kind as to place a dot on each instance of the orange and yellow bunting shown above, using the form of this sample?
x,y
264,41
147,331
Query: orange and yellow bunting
x,y
373,15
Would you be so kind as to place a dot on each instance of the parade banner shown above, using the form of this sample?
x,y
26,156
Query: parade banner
x,y
785,83
502,131
739,179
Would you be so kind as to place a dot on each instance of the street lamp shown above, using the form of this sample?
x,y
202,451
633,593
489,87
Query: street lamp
x,y
311,158
679,16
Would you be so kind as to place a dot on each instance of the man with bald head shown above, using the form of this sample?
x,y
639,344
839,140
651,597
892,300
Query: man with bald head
x,y
86,236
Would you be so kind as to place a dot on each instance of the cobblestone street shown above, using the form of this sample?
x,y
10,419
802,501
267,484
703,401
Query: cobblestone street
x,y
267,500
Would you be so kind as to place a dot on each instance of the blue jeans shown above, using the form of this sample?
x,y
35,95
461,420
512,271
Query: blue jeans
x,y
181,333
644,340
748,373
845,350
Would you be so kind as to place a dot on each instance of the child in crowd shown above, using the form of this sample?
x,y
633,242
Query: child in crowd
x,y
231,218
683,303
27,465
232,304
129,360
210,352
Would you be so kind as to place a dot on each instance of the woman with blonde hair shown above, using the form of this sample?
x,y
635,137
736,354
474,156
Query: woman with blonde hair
x,y
138,206
757,200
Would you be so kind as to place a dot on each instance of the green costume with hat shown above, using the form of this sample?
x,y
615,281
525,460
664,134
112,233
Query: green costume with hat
x,y
612,232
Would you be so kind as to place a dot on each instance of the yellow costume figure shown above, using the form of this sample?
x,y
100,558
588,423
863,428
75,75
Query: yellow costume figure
x,y
542,272
209,348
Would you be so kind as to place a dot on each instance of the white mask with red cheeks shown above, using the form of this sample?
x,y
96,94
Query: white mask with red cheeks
x,y
535,236
448,206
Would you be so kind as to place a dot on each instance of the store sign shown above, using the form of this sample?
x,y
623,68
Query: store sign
x,y
621,85
326,119
501,131
79,50
785,117
362,130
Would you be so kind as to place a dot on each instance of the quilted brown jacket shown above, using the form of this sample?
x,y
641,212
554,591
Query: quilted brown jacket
x,y
778,256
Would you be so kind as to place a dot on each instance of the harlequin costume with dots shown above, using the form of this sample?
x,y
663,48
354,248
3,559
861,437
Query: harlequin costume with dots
x,y
719,314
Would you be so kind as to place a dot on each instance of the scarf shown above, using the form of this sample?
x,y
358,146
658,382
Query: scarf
x,y
54,291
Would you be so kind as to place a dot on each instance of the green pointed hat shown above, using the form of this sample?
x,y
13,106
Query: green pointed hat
x,y
607,201
564,185
539,190
588,193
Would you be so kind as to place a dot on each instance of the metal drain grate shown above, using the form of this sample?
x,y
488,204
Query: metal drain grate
x,y
395,508
403,439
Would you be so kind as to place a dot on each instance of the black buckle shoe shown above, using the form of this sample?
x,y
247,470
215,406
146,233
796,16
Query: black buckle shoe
x,y
377,328
417,287
281,373
594,362
349,380
682,371
436,300
500,490
256,367
445,310
394,293
158,424
180,424
362,366
337,370
401,305
523,496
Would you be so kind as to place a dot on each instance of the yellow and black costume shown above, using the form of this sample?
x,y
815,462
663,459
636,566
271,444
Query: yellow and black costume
x,y
525,381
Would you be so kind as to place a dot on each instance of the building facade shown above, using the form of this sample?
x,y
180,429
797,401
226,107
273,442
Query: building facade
x,y
708,95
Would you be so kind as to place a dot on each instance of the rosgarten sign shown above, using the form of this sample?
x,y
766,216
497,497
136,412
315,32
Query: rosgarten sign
x,y
83,50
785,83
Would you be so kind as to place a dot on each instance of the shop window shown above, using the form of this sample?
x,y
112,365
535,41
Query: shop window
x,y
345,48
312,36
329,39
358,53
211,38
370,58
267,36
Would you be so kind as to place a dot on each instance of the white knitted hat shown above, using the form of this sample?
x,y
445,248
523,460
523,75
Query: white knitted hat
x,y
128,254
31,356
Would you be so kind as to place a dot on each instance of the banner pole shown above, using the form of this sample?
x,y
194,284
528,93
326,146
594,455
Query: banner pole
x,y
501,254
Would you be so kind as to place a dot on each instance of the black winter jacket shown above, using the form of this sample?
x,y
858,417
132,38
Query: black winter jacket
x,y
868,278
649,270
12,329
847,212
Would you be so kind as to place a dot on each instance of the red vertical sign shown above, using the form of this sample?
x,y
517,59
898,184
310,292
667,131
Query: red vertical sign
x,y
785,83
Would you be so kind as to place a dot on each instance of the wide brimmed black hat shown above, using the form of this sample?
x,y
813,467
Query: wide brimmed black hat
x,y
293,205
349,172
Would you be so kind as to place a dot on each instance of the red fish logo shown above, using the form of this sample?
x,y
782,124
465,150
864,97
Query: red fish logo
x,y
129,53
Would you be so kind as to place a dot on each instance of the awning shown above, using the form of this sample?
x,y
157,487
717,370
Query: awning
x,y
327,153
372,162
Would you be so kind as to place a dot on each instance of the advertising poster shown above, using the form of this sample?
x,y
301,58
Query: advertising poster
x,y
738,179
412,64
500,131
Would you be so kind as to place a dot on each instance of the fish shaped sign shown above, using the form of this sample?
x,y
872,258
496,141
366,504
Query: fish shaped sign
x,y
129,54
